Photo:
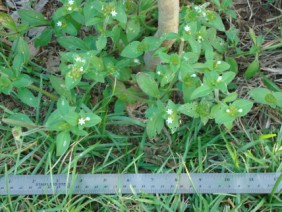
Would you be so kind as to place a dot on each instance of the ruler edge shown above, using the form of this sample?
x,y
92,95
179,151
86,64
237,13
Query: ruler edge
x,y
122,176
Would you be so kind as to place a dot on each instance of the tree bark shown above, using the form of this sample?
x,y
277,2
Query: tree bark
x,y
168,21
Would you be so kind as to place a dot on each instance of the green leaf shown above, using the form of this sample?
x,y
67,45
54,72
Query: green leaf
x,y
218,112
32,17
155,121
233,64
73,43
264,96
243,106
22,80
59,86
44,38
195,45
201,91
115,33
7,22
63,106
221,66
62,143
89,14
189,109
132,30
18,62
22,118
56,122
27,97
5,85
132,50
20,47
147,84
231,97
121,16
278,96
209,54
219,44
252,69
71,81
71,117
215,21
101,42
151,43
253,35
93,119
228,76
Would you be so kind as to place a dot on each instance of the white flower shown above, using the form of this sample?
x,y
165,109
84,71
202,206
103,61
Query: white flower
x,y
81,121
197,8
136,61
193,75
200,38
169,120
78,59
169,111
219,79
187,28
218,62
204,14
87,119
81,69
59,23
71,2
114,13
240,110
227,111
158,73
69,8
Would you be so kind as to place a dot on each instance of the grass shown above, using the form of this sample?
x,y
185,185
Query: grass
x,y
195,148
120,145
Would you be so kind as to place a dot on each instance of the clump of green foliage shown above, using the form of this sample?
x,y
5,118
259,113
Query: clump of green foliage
x,y
111,52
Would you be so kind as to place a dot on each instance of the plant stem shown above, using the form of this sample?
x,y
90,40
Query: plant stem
x,y
46,93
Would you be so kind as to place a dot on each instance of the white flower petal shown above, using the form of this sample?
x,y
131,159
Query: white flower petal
x,y
81,121
169,111
187,28
59,24
169,120
114,13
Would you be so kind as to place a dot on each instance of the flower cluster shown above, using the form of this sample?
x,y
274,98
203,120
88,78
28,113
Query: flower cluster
x,y
70,5
170,118
201,11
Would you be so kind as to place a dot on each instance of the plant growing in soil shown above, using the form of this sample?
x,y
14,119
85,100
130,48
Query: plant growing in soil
x,y
185,71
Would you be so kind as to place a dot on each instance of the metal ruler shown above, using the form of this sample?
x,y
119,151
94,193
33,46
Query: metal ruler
x,y
255,183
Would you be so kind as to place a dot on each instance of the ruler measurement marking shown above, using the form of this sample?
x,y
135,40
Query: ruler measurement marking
x,y
147,183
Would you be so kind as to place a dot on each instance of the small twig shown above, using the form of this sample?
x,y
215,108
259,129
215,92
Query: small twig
x,y
251,15
168,136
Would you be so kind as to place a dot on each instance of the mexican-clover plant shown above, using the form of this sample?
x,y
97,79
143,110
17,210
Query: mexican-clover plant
x,y
111,50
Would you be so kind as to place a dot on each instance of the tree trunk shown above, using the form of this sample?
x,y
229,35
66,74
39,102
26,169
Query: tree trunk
x,y
168,21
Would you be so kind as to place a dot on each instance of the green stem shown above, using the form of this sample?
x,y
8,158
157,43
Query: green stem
x,y
46,93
